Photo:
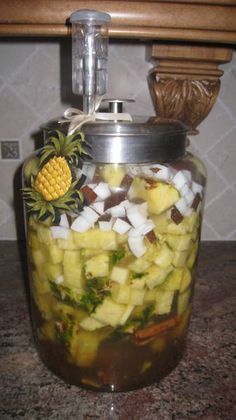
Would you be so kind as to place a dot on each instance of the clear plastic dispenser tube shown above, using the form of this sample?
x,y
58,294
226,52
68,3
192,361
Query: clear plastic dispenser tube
x,y
89,56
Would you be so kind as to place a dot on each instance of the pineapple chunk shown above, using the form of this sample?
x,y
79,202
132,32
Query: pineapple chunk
x,y
174,280
193,255
137,189
122,238
138,283
164,300
120,293
180,229
44,234
180,258
41,286
97,266
186,280
164,257
150,295
156,276
96,239
33,240
183,301
161,197
44,304
38,257
48,330
84,346
136,297
67,243
52,271
72,269
192,222
55,254
179,242
126,314
119,274
63,309
113,174
161,222
109,312
141,264
91,324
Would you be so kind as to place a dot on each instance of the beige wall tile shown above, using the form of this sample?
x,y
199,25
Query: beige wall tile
x,y
38,83
13,55
214,127
228,89
223,155
221,214
16,117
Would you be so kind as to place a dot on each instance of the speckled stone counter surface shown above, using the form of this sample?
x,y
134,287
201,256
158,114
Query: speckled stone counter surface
x,y
201,387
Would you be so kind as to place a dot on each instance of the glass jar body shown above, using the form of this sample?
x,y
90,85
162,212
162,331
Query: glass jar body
x,y
112,284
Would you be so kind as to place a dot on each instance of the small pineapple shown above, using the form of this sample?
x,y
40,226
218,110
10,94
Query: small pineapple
x,y
54,179
51,190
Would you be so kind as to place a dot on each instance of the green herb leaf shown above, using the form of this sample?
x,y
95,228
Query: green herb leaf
x,y
116,256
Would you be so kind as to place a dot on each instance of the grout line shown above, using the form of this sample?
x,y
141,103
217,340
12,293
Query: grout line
x,y
126,64
211,228
223,178
229,236
227,110
221,138
8,81
216,197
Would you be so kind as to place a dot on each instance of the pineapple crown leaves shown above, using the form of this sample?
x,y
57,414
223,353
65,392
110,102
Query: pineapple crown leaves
x,y
35,203
71,147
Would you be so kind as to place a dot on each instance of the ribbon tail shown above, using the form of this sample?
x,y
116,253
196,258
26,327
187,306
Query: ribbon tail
x,y
78,122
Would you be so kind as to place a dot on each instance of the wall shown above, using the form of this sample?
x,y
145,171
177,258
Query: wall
x,y
35,85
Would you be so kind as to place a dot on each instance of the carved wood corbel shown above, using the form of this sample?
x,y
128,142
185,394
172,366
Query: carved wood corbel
x,y
185,83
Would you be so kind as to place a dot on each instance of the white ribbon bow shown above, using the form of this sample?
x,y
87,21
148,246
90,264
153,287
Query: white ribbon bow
x,y
77,118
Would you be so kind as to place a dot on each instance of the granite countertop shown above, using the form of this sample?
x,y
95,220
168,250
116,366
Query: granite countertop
x,y
201,387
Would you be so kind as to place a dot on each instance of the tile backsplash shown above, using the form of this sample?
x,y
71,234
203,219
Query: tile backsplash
x,y
35,86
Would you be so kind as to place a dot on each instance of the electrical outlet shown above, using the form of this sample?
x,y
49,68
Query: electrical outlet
x,y
10,149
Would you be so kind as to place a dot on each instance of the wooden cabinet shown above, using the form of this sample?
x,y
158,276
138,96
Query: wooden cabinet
x,y
190,38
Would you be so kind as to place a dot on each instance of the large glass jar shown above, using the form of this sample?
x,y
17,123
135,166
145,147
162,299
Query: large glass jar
x,y
112,277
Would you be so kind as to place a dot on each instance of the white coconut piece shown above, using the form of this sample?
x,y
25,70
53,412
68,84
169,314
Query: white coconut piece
x,y
196,188
143,208
137,246
64,221
80,224
142,230
188,176
98,206
120,226
90,215
185,190
189,197
105,225
91,185
163,173
117,211
179,180
59,232
182,206
102,190
135,217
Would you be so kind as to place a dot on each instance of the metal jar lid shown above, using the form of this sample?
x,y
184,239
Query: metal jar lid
x,y
140,141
